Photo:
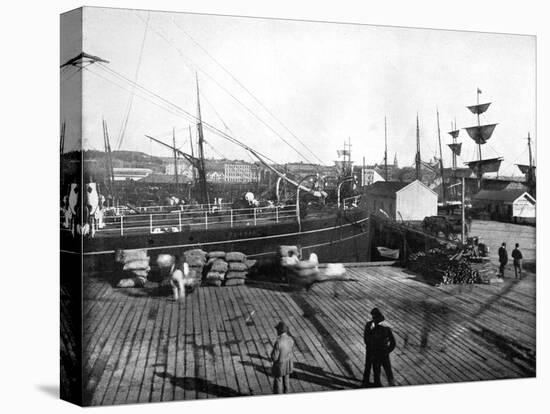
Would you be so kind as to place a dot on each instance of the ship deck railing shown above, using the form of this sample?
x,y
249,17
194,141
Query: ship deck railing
x,y
120,222
178,220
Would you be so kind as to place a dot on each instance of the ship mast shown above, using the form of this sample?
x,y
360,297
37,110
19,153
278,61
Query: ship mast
x,y
480,134
202,172
417,158
108,160
441,159
192,155
455,147
175,157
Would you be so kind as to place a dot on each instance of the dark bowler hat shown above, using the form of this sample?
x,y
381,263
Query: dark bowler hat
x,y
281,327
377,315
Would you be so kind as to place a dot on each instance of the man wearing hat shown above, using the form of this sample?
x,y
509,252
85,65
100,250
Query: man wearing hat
x,y
281,356
379,343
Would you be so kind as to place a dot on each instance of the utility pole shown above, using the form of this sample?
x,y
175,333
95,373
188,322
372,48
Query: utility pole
x,y
385,150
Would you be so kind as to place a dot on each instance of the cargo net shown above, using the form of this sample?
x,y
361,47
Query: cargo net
x,y
444,267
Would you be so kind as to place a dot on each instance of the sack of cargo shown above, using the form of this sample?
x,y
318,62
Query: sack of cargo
x,y
195,261
165,260
306,272
305,264
220,266
335,269
131,282
137,265
213,282
125,256
235,282
235,257
238,267
216,255
284,250
140,272
195,252
250,263
214,276
235,275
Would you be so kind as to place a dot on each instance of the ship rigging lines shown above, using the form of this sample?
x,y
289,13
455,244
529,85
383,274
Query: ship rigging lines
x,y
193,67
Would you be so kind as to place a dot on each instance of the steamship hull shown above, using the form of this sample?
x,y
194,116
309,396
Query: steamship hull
x,y
342,237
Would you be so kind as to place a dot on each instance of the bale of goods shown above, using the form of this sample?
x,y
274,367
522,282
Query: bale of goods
x,y
284,250
220,266
137,265
305,265
131,282
141,273
235,275
235,257
238,267
195,257
216,255
134,267
125,256
214,279
250,263
165,261
306,272
195,261
195,252
235,282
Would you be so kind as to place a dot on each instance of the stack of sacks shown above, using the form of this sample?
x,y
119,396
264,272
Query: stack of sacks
x,y
217,270
135,267
237,269
196,259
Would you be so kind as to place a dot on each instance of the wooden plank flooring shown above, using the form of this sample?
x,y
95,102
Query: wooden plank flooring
x,y
144,347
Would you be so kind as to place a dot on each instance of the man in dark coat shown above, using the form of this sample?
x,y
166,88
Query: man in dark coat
x,y
502,258
281,356
379,343
517,256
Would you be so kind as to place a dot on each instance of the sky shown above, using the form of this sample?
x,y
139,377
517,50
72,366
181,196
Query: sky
x,y
270,83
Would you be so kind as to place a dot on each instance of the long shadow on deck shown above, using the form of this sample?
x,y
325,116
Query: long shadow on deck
x,y
331,344
308,373
200,385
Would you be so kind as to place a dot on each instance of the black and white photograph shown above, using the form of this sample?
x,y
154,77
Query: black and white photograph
x,y
252,206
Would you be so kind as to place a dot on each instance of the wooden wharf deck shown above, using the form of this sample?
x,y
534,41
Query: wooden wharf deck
x,y
141,346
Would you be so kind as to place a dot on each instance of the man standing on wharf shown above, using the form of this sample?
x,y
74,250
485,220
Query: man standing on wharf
x,y
517,256
281,356
502,258
379,343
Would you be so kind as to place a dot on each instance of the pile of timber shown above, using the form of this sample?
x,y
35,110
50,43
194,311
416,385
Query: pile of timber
x,y
443,267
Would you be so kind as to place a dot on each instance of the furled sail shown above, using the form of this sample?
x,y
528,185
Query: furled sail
x,y
454,133
525,168
485,166
482,133
479,108
456,148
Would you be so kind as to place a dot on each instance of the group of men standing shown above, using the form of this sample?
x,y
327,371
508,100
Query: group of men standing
x,y
379,343
517,256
